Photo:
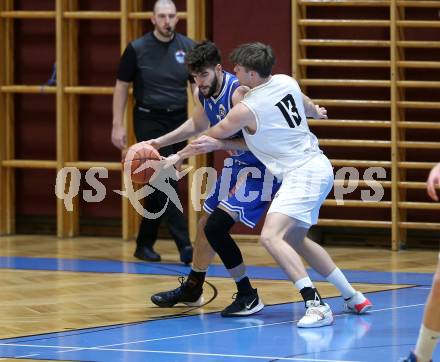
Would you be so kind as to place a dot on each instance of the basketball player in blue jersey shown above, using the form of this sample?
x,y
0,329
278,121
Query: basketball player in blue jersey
x,y
218,91
273,119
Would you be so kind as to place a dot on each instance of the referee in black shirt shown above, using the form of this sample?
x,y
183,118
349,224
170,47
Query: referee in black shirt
x,y
155,64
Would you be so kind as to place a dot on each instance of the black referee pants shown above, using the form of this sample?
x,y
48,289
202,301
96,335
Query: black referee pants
x,y
148,125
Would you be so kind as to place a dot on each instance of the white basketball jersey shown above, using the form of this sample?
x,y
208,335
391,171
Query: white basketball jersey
x,y
283,140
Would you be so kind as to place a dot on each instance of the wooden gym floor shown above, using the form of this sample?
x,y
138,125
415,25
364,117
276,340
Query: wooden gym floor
x,y
58,285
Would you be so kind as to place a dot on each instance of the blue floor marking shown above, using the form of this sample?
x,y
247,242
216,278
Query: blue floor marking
x,y
255,272
386,334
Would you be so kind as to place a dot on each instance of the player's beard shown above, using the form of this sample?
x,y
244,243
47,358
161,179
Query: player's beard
x,y
212,88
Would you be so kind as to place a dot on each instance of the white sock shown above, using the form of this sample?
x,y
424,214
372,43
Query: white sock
x,y
303,283
340,281
426,344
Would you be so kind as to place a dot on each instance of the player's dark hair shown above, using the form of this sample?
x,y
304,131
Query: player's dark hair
x,y
203,55
254,56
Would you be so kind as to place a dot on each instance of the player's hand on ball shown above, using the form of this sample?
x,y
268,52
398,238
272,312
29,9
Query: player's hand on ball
x,y
153,142
140,162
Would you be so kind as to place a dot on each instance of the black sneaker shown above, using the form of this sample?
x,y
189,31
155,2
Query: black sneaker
x,y
192,297
145,253
243,305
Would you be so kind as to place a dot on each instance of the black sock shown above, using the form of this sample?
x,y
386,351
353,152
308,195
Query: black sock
x,y
195,279
244,286
309,293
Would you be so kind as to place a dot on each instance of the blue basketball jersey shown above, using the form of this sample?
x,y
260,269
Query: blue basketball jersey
x,y
217,108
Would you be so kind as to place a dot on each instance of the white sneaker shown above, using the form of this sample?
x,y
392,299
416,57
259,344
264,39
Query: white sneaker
x,y
357,304
317,315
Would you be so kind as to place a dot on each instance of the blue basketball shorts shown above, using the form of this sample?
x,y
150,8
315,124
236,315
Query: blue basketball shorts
x,y
244,189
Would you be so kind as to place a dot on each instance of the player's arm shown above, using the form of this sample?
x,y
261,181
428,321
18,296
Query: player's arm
x,y
313,110
194,89
205,144
193,126
238,117
239,94
235,144
433,182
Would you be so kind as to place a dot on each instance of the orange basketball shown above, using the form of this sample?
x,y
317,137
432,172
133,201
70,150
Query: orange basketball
x,y
139,162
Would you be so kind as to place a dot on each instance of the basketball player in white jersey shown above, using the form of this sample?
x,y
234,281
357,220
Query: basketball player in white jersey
x,y
275,129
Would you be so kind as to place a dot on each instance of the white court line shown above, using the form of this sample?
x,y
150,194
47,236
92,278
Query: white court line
x,y
391,308
232,329
185,335
28,355
24,356
38,346
226,355
429,288
191,354
106,347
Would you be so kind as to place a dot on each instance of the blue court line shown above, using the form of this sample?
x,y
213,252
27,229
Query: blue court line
x,y
385,334
255,272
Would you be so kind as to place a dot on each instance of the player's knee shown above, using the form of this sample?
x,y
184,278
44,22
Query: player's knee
x,y
201,241
213,229
217,227
267,240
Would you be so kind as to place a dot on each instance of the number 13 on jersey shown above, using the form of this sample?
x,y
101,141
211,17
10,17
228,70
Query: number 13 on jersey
x,y
288,108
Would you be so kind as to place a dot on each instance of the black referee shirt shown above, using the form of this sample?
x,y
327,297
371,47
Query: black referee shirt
x,y
157,70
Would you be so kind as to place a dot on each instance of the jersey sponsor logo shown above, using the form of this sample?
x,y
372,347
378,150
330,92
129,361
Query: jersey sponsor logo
x,y
222,111
180,56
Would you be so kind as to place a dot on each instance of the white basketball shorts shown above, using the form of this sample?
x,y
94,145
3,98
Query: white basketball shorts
x,y
303,190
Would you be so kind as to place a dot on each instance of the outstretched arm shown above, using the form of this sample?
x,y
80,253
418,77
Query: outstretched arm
x,y
205,144
239,117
